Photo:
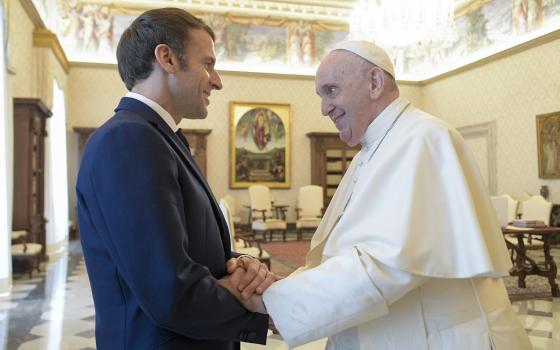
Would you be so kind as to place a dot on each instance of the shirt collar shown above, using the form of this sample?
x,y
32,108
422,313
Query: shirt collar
x,y
167,118
379,125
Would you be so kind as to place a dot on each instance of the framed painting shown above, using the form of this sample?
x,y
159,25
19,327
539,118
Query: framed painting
x,y
548,145
260,145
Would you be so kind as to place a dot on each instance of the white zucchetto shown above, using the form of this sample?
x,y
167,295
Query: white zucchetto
x,y
369,52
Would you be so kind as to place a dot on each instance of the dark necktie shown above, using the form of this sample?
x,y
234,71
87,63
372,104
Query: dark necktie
x,y
183,139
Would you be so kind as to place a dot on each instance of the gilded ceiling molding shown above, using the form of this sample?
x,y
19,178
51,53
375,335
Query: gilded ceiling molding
x,y
33,14
329,11
45,38
555,35
113,66
93,65
467,6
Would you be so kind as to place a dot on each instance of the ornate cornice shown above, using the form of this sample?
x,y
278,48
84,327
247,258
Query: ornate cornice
x,y
45,38
33,14
309,10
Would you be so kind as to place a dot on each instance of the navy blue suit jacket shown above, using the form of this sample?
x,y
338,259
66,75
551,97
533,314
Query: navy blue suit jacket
x,y
155,241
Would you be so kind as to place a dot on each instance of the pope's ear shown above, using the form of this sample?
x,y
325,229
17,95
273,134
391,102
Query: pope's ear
x,y
376,81
166,58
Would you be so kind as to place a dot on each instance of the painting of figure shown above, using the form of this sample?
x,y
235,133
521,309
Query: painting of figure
x,y
548,143
260,145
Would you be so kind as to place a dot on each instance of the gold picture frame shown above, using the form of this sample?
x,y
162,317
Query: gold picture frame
x,y
260,140
548,145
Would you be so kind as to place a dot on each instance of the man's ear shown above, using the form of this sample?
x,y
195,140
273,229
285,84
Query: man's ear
x,y
376,80
166,58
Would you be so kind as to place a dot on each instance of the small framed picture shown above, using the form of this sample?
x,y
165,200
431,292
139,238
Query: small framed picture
x,y
548,145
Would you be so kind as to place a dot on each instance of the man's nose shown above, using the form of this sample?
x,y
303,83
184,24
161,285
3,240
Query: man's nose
x,y
326,107
216,81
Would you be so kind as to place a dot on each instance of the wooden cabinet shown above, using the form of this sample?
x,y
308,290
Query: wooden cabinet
x,y
30,118
330,158
196,137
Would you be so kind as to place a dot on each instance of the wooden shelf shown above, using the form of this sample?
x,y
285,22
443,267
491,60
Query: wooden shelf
x,y
30,118
330,157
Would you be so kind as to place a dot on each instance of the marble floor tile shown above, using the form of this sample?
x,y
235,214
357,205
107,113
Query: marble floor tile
x,y
54,310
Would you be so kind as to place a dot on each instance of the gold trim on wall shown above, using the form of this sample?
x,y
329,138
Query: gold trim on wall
x,y
45,38
75,64
33,14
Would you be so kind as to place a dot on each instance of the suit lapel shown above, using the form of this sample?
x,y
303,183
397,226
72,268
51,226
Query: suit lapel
x,y
172,139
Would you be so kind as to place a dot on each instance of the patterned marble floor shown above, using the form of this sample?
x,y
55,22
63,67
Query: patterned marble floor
x,y
54,310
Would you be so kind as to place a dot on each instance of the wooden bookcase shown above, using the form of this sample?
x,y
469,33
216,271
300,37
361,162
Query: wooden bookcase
x,y
30,119
330,158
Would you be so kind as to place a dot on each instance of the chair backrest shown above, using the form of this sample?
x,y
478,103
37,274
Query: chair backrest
x,y
230,200
537,208
229,219
259,195
509,212
522,198
500,205
310,201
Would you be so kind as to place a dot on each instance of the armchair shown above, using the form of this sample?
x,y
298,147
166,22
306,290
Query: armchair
x,y
309,209
264,217
230,200
245,247
506,210
28,255
536,208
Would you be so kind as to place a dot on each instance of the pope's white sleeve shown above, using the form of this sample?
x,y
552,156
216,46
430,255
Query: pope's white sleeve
x,y
342,292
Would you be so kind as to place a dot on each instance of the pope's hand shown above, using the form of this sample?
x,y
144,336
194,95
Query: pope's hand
x,y
253,303
256,278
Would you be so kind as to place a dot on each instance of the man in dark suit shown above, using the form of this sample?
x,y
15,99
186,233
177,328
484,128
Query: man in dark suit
x,y
154,240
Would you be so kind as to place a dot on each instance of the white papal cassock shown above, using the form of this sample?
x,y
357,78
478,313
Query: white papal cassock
x,y
416,259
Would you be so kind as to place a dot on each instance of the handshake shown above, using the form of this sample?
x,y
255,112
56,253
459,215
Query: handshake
x,y
247,279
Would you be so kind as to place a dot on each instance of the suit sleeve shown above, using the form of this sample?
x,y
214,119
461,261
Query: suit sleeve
x,y
139,206
342,292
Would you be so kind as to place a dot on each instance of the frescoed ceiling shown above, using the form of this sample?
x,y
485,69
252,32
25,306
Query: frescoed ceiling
x,y
291,36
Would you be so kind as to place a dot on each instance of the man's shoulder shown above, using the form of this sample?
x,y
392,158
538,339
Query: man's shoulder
x,y
125,129
123,121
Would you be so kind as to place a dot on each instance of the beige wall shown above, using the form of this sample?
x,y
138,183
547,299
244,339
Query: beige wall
x,y
20,51
95,91
510,91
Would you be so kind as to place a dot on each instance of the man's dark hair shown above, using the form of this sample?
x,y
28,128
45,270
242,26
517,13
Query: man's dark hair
x,y
170,26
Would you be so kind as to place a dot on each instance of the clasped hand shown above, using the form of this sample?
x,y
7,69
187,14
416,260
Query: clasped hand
x,y
247,279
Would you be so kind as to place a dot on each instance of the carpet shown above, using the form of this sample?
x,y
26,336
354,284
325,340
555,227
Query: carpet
x,y
288,256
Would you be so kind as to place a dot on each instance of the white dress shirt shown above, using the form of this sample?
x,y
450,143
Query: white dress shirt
x,y
167,118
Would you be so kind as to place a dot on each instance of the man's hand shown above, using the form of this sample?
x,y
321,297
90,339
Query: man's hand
x,y
253,303
256,279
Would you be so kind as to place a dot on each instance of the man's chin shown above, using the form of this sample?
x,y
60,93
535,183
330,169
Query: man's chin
x,y
201,115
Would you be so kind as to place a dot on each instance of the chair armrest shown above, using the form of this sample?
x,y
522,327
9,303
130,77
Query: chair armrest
x,y
280,211
263,211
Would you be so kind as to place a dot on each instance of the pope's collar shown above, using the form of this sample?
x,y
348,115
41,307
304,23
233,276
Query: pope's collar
x,y
382,122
